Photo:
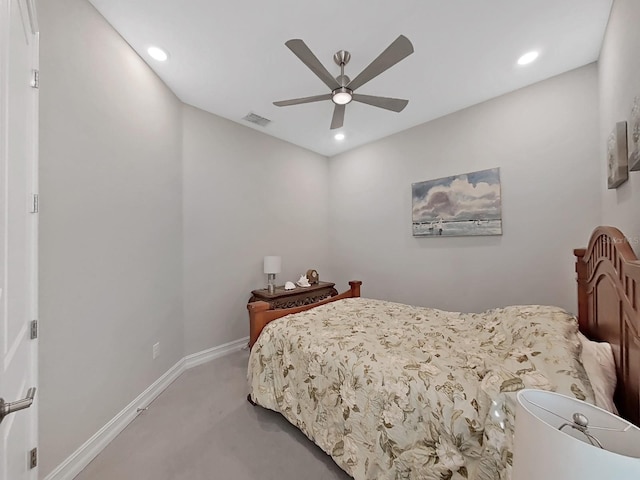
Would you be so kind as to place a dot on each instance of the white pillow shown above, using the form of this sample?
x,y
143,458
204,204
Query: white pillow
x,y
597,359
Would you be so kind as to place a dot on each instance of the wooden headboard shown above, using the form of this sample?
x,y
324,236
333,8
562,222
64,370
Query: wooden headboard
x,y
609,308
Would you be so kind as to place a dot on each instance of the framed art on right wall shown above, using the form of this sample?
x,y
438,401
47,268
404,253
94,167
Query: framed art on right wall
x,y
634,129
617,165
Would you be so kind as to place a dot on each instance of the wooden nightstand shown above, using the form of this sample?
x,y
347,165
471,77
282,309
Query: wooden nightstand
x,y
294,298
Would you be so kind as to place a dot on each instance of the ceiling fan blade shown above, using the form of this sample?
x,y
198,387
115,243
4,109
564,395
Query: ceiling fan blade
x,y
338,117
298,101
393,104
300,49
399,49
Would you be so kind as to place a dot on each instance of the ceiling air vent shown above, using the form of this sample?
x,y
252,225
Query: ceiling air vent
x,y
257,119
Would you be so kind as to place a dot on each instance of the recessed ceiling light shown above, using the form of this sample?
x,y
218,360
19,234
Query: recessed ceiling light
x,y
527,58
339,136
157,54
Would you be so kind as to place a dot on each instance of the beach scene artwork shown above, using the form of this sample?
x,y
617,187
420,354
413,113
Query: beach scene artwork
x,y
461,205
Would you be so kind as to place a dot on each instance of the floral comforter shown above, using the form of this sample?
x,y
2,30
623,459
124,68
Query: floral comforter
x,y
393,391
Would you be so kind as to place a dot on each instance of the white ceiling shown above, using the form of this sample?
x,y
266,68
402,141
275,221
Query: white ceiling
x,y
229,58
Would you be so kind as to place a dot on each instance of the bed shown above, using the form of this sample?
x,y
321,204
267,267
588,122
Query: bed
x,y
395,391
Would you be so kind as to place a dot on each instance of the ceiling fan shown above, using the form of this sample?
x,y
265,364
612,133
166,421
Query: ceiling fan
x,y
342,87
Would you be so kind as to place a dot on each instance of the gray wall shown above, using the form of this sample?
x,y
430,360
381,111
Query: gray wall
x,y
544,138
111,234
110,226
619,71
246,195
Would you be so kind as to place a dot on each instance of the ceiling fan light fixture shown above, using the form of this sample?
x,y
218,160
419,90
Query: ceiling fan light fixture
x,y
342,96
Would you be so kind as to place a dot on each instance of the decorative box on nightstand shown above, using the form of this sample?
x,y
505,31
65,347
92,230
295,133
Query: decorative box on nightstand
x,y
294,298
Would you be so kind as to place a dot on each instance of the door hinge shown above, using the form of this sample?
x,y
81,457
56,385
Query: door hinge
x,y
35,203
35,78
34,329
33,458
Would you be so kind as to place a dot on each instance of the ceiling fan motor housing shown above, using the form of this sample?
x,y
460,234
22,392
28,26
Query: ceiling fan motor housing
x,y
343,80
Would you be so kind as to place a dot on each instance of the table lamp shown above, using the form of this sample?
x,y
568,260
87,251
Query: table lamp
x,y
272,265
559,437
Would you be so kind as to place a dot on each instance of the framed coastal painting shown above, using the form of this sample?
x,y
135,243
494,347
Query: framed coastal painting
x,y
617,165
460,205
634,130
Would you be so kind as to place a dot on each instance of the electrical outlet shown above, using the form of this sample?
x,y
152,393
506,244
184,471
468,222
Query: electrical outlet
x,y
156,350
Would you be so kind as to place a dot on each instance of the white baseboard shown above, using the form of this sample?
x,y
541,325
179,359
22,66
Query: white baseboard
x,y
205,356
79,459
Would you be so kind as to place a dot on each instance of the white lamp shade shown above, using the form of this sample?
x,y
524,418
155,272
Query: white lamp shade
x,y
543,452
272,264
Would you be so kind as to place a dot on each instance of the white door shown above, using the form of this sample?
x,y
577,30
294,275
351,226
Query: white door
x,y
18,234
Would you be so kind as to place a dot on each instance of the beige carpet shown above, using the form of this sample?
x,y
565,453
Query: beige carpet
x,y
203,428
